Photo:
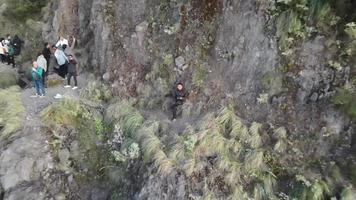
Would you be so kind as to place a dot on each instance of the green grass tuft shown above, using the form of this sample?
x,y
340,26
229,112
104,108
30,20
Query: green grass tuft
x,y
11,111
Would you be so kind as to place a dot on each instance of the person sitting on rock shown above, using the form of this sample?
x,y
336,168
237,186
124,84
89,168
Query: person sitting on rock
x,y
72,72
179,95
37,78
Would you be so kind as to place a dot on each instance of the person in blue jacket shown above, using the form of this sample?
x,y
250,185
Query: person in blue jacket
x,y
37,73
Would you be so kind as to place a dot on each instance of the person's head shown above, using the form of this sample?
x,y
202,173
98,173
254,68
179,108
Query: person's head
x,y
180,86
34,64
39,54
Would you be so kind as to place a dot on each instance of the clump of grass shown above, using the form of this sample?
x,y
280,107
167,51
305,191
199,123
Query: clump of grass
x,y
11,111
281,135
255,139
289,29
68,112
348,194
7,79
96,92
346,100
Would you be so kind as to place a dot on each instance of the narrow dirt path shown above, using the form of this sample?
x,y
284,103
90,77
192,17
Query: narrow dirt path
x,y
26,158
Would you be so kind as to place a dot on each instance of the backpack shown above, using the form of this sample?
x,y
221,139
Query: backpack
x,y
11,51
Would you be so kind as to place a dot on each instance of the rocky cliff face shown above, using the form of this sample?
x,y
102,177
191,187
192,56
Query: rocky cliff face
x,y
222,49
229,53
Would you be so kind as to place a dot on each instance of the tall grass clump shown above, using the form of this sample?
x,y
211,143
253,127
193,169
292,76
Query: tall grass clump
x,y
11,111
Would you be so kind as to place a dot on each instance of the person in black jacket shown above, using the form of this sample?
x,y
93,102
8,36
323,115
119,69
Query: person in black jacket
x,y
17,44
46,52
179,95
72,72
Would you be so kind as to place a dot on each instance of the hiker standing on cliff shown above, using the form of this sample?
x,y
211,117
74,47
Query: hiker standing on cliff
x,y
37,78
179,95
62,61
17,44
11,55
72,72
46,52
8,39
2,50
62,43
42,63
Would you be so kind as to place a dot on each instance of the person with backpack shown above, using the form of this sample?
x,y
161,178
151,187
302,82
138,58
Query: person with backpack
x,y
42,63
37,78
179,95
62,61
62,43
17,44
72,72
11,56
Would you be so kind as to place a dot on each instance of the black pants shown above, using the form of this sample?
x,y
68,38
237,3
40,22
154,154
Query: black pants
x,y
175,109
44,78
3,58
11,60
74,75
63,70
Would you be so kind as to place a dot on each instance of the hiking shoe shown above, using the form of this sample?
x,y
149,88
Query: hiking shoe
x,y
58,96
42,96
67,86
75,87
34,96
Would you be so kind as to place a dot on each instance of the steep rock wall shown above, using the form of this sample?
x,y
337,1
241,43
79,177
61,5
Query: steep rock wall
x,y
224,53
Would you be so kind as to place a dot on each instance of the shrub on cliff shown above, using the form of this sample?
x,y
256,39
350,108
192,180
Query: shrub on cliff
x,y
23,9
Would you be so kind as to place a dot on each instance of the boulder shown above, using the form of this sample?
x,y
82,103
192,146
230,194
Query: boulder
x,y
180,61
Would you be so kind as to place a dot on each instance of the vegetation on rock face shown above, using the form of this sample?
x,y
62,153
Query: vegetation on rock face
x,y
70,121
20,17
24,9
11,111
223,158
7,79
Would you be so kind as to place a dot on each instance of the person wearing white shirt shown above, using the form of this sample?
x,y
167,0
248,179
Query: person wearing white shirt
x,y
62,43
7,40
42,62
2,51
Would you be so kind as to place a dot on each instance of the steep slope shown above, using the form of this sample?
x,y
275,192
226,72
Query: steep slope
x,y
267,80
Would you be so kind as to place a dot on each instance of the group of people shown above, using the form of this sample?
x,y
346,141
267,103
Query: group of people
x,y
9,48
54,58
